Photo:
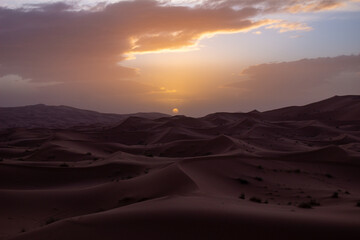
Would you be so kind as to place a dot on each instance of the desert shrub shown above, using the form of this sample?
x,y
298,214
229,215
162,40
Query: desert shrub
x,y
260,167
64,165
258,179
335,195
1,159
328,175
313,202
242,181
305,205
255,199
309,204
242,196
358,204
88,153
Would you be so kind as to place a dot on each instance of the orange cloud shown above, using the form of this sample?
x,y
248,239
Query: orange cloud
x,y
315,6
186,40
292,6
284,26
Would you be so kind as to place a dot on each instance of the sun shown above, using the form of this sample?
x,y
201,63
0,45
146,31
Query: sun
x,y
175,110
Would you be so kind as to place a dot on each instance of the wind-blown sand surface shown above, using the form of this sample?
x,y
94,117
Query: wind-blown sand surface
x,y
292,173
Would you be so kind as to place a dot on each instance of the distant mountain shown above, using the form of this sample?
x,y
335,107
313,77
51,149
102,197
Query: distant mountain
x,y
339,108
43,116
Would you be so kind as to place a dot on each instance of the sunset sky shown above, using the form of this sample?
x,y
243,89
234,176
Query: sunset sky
x,y
197,56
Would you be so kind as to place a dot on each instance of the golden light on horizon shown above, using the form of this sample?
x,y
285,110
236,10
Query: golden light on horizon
x,y
175,110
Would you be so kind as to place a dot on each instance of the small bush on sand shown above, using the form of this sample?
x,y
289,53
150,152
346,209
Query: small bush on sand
x,y
328,175
313,202
258,179
255,199
335,195
242,181
309,204
242,196
358,204
305,205
64,165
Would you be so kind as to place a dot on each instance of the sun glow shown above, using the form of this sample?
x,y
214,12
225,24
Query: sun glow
x,y
175,110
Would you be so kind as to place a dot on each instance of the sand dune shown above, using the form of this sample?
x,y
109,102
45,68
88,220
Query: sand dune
x,y
290,173
335,108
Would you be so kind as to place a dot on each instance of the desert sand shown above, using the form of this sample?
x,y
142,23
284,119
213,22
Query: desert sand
x,y
291,173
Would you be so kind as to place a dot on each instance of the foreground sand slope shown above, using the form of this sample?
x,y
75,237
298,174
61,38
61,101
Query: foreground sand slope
x,y
254,175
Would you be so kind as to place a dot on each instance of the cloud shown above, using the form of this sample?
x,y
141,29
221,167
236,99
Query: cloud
x,y
51,42
63,42
315,6
292,6
311,79
284,26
